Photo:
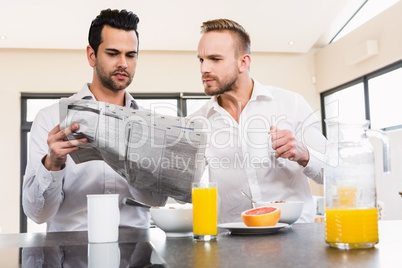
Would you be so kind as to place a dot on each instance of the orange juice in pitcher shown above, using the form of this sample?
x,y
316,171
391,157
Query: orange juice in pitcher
x,y
351,215
351,226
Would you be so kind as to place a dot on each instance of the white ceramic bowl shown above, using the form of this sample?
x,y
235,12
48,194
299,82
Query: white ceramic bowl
x,y
175,220
290,210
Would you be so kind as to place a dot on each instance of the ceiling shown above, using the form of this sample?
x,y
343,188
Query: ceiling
x,y
175,24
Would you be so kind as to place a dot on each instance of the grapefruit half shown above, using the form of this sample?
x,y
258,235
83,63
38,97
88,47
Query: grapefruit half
x,y
262,216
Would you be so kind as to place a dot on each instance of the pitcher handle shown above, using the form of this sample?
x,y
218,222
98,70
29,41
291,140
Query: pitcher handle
x,y
386,156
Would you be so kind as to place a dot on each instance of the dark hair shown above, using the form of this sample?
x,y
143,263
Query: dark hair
x,y
123,20
239,33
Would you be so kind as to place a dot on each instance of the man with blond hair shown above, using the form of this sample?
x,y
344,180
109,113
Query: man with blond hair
x,y
257,132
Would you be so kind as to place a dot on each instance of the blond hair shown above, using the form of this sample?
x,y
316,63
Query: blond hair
x,y
239,33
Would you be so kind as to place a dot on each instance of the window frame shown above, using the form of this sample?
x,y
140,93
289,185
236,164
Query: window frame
x,y
365,80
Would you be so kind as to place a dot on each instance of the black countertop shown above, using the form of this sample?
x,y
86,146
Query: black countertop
x,y
302,245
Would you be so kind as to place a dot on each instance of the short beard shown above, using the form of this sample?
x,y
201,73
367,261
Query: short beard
x,y
108,82
227,87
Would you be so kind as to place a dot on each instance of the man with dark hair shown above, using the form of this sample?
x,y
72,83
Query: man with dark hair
x,y
257,132
55,188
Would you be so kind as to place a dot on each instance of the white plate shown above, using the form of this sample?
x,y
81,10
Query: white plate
x,y
241,228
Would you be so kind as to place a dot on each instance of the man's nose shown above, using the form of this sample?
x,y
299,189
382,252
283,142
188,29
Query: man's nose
x,y
205,67
122,62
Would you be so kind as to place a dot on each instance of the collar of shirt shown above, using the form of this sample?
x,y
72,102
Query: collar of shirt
x,y
86,94
260,92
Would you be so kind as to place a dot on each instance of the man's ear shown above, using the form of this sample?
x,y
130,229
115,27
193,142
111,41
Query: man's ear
x,y
91,56
245,62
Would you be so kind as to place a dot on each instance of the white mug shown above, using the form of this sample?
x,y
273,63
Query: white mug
x,y
103,218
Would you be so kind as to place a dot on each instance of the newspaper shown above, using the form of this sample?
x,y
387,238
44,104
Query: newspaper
x,y
163,154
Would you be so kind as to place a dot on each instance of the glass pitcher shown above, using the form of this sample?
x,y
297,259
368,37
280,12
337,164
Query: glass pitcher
x,y
349,185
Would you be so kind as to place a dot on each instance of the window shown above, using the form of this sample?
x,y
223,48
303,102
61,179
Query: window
x,y
174,104
346,104
385,106
372,97
194,104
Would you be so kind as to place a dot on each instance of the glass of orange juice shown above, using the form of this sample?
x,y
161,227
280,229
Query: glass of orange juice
x,y
205,211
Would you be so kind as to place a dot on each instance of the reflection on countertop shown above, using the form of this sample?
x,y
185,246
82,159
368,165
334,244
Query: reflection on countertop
x,y
302,245
107,255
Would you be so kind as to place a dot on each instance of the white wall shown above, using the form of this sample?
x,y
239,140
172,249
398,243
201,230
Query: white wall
x,y
334,62
157,71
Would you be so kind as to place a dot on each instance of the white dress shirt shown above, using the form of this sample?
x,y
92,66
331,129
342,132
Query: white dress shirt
x,y
59,197
240,155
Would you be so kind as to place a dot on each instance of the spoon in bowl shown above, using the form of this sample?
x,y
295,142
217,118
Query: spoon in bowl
x,y
249,197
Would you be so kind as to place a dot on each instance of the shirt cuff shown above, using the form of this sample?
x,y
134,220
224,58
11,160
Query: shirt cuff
x,y
314,169
49,179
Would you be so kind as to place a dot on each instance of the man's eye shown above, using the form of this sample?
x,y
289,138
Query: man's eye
x,y
131,55
201,60
112,54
